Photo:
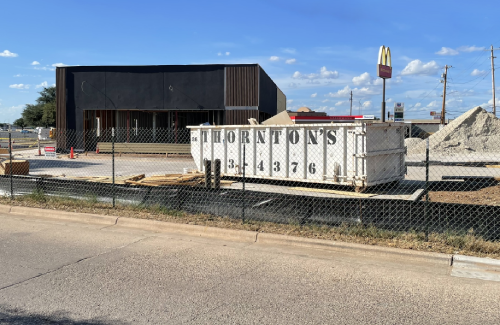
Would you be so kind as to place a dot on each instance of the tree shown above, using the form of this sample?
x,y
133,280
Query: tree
x,y
20,122
43,113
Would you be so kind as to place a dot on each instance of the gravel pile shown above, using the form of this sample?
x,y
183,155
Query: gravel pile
x,y
474,131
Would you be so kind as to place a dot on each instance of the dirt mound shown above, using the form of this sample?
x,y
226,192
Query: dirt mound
x,y
474,131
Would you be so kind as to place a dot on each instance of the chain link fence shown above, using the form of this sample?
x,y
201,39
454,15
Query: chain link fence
x,y
333,174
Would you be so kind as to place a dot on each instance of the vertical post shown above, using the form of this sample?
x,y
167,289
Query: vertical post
x,y
113,163
243,193
426,204
176,118
350,111
208,173
217,174
382,113
10,160
493,81
154,126
443,111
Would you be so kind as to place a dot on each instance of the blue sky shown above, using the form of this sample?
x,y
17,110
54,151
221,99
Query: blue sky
x,y
316,51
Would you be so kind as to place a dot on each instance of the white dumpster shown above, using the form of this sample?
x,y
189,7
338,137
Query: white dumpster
x,y
360,154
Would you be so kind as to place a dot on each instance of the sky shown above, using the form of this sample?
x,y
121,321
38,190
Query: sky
x,y
315,51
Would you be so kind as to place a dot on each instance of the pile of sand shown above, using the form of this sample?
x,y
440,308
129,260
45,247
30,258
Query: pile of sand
x,y
412,142
474,131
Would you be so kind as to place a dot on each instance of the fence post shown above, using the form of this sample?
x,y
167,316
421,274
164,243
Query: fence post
x,y
217,174
426,204
243,193
208,173
10,161
113,163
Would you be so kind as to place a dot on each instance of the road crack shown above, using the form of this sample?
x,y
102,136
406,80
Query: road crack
x,y
76,262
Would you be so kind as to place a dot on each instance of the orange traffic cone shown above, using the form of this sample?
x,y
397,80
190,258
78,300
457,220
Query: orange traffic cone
x,y
71,154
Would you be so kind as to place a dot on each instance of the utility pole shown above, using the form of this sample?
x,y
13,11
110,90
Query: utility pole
x,y
350,111
493,81
445,75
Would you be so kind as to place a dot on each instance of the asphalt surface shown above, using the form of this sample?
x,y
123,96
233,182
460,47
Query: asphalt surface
x,y
58,272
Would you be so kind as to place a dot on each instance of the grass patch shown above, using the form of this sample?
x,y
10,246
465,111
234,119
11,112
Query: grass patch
x,y
466,243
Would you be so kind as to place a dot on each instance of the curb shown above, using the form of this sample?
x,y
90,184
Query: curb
x,y
482,263
192,230
365,250
255,237
476,268
59,215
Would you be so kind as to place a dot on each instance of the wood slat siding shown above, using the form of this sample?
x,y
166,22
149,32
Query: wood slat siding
x,y
240,117
61,107
242,86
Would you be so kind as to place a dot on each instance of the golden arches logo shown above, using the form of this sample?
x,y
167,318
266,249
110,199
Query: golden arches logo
x,y
384,56
384,66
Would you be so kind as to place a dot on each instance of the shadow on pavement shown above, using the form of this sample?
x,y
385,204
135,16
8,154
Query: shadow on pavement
x,y
18,317
52,163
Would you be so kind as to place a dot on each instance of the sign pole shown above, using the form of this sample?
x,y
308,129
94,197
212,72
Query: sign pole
x,y
384,71
383,102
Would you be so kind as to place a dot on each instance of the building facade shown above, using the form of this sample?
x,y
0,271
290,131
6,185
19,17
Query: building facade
x,y
163,96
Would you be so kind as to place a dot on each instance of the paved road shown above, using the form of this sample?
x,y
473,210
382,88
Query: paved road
x,y
55,272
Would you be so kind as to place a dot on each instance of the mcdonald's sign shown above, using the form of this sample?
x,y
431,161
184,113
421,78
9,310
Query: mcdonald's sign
x,y
384,66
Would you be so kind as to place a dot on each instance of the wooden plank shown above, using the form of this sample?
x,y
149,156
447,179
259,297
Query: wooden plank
x,y
492,166
317,190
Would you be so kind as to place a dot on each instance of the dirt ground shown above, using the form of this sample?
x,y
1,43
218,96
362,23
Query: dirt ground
x,y
485,196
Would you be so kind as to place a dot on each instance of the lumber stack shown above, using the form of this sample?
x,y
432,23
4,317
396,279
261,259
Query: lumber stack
x,y
108,179
19,167
193,179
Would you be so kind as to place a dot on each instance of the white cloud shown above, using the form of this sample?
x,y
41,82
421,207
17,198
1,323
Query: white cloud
x,y
325,100
477,72
219,54
289,101
342,102
447,51
417,105
59,65
433,104
323,74
44,68
228,53
417,67
367,104
18,75
8,54
389,100
19,86
290,61
346,92
378,81
35,63
363,79
471,49
44,84
289,50
274,58
314,95
293,85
